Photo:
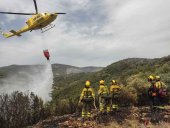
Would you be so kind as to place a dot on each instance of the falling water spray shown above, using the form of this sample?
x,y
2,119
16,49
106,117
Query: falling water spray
x,y
37,79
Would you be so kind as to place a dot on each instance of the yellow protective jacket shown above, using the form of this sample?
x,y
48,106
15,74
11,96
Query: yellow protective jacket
x,y
103,89
87,93
114,89
160,84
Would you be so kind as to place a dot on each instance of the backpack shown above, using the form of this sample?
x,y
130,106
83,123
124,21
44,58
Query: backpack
x,y
105,94
163,92
87,96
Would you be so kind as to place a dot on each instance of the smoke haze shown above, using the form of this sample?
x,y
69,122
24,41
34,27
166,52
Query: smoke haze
x,y
37,80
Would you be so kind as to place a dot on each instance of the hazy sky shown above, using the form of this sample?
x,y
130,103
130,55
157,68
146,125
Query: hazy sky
x,y
93,32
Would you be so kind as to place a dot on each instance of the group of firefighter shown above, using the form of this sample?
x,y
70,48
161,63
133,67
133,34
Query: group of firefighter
x,y
108,96
157,92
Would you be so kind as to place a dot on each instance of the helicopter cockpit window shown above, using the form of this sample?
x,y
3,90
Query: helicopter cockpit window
x,y
37,17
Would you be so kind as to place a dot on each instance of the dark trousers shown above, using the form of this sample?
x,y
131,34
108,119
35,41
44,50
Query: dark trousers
x,y
154,101
86,110
115,101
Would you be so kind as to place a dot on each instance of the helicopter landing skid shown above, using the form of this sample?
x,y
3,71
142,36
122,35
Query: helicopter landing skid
x,y
48,27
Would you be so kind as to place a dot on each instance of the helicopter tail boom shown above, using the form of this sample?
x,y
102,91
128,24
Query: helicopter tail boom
x,y
13,33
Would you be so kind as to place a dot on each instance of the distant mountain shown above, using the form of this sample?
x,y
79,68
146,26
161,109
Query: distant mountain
x,y
17,69
58,69
61,69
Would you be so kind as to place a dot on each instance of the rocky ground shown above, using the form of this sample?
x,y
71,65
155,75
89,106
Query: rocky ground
x,y
131,117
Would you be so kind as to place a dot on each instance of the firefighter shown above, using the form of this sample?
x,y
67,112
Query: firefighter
x,y
87,98
162,90
114,92
159,83
153,92
104,98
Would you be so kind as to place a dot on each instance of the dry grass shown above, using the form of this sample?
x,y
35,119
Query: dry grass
x,y
136,124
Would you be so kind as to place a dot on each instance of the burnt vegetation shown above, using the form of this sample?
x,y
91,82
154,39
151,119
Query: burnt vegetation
x,y
21,109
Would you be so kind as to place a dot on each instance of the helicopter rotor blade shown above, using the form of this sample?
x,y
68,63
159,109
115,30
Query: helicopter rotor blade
x,y
60,13
15,13
35,4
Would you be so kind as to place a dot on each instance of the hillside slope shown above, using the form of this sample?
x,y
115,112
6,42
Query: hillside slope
x,y
131,117
124,71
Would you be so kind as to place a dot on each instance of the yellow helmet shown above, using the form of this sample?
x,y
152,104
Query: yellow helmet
x,y
101,82
150,78
158,78
87,84
113,81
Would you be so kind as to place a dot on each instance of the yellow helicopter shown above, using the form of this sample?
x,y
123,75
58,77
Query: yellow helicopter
x,y
37,21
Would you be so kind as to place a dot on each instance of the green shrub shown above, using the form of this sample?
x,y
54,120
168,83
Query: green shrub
x,y
127,97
